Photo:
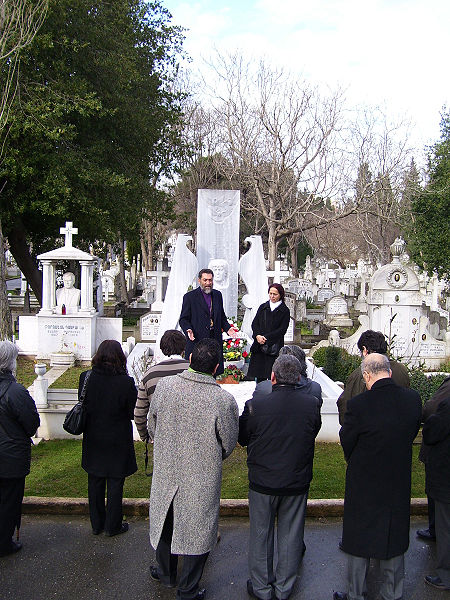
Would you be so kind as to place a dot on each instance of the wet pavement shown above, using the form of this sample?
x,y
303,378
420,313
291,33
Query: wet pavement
x,y
61,559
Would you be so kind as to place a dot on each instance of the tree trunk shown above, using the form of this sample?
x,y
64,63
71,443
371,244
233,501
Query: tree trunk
x,y
26,263
272,245
6,331
122,281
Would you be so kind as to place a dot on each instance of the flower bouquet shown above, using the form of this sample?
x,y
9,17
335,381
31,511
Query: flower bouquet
x,y
233,350
231,374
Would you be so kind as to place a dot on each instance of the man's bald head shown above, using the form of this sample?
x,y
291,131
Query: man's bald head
x,y
374,367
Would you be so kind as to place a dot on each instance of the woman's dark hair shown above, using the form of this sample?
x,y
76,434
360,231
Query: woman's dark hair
x,y
205,355
279,288
172,342
110,357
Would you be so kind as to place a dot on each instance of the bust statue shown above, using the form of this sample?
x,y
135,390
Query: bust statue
x,y
69,296
219,267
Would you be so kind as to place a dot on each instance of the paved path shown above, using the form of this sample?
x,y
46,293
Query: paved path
x,y
62,560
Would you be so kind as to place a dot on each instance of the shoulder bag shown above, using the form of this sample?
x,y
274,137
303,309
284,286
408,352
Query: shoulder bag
x,y
75,420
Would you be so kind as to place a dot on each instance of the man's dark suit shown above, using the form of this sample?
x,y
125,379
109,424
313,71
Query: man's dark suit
x,y
195,315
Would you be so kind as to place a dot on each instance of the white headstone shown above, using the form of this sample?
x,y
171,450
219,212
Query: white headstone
x,y
218,238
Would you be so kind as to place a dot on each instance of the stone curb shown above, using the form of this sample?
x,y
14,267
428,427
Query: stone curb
x,y
138,507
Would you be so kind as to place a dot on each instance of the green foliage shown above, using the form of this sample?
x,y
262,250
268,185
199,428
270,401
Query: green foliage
x,y
430,229
94,123
425,385
337,363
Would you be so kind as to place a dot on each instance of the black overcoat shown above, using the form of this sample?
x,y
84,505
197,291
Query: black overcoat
x,y
108,449
195,315
272,324
19,420
379,428
436,434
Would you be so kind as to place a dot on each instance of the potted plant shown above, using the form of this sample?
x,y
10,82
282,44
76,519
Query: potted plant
x,y
233,352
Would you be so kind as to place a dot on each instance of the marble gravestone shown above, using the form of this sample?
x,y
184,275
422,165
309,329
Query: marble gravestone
x,y
149,326
218,241
336,313
395,308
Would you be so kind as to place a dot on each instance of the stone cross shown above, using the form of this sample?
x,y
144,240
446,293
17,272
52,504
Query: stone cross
x,y
68,231
278,273
160,275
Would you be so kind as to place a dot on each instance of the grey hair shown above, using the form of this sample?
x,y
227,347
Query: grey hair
x,y
375,364
8,356
299,355
287,369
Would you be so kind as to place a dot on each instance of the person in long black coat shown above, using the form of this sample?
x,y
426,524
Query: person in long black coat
x,y
436,434
269,326
379,428
202,315
19,420
108,451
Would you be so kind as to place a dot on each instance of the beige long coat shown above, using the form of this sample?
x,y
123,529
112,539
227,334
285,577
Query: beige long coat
x,y
194,423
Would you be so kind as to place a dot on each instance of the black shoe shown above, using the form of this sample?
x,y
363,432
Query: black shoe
x,y
251,593
340,596
97,531
15,547
436,582
155,576
201,594
123,528
425,534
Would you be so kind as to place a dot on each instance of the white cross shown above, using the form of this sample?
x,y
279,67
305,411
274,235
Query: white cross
x,y
68,231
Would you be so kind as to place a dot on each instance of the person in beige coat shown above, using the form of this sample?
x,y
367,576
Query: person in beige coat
x,y
194,423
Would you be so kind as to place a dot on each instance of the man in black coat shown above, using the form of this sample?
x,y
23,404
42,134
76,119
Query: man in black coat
x,y
19,421
279,430
429,408
436,434
369,341
202,315
379,428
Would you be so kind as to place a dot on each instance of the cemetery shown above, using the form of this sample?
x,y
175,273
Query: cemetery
x,y
329,307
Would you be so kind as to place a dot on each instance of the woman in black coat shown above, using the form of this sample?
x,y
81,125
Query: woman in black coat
x,y
269,326
108,451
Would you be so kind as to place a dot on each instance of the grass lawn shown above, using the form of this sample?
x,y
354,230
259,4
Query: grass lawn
x,y
56,471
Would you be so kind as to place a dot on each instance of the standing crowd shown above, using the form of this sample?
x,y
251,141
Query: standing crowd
x,y
194,424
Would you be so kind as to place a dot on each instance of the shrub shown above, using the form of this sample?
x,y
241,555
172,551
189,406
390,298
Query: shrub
x,y
426,386
337,363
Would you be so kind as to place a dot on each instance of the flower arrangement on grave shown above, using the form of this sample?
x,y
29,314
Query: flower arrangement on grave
x,y
231,371
233,350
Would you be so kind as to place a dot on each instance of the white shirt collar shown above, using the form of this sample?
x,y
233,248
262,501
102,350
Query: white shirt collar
x,y
274,305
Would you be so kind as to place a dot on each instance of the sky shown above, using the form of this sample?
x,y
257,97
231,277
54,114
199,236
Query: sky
x,y
388,53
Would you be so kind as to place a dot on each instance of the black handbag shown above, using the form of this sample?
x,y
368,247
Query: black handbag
x,y
270,349
76,417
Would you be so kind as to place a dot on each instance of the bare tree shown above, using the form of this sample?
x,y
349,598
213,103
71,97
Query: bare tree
x,y
19,23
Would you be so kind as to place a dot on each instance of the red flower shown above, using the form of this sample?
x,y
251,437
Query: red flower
x,y
245,354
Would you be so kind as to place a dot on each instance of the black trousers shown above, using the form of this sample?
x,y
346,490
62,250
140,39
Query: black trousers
x,y
109,518
431,516
11,496
192,568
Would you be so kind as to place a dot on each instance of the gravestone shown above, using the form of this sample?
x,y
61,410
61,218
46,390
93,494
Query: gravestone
x,y
324,294
218,240
302,288
290,301
336,313
395,308
149,326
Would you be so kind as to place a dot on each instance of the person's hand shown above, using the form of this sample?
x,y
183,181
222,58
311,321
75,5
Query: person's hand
x,y
233,332
190,335
261,339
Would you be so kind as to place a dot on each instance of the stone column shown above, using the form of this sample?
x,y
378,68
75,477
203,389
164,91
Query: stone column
x,y
48,286
87,285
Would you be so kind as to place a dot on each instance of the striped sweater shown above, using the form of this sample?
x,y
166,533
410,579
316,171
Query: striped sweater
x,y
147,387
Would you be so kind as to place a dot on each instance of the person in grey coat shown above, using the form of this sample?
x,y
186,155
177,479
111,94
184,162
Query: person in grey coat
x,y
194,424
19,421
